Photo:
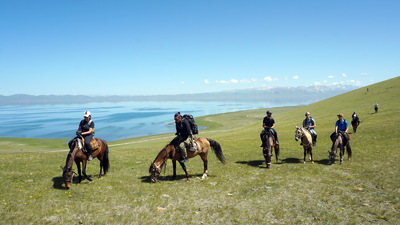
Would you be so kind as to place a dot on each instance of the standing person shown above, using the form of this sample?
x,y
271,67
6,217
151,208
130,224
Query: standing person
x,y
354,115
376,108
86,129
342,126
309,123
184,134
269,123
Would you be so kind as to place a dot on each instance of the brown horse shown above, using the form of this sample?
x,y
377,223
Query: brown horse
x,y
306,140
76,154
337,142
268,145
355,122
170,152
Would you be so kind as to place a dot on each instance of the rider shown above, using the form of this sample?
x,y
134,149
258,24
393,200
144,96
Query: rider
x,y
354,116
269,123
86,129
309,124
184,133
342,126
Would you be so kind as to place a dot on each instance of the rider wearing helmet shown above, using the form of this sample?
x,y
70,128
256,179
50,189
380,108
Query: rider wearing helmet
x,y
268,123
86,129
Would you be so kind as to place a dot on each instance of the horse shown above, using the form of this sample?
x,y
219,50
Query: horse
x,y
268,145
76,154
306,140
337,142
355,122
170,152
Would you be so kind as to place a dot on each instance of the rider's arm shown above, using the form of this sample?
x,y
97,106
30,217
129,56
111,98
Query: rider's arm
x,y
88,132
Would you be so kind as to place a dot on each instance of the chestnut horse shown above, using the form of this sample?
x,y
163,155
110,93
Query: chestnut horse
x,y
337,142
76,154
170,152
268,145
306,140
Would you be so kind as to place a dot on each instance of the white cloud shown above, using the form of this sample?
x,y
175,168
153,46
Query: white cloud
x,y
270,79
206,81
295,77
331,77
344,75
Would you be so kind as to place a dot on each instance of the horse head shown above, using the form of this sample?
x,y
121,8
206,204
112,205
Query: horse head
x,y
298,133
68,174
159,163
155,172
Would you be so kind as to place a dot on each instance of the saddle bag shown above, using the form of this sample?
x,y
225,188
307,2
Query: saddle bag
x,y
94,144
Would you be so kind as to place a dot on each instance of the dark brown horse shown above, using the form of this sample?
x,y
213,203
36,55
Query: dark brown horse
x,y
355,122
306,140
170,152
268,145
77,155
338,142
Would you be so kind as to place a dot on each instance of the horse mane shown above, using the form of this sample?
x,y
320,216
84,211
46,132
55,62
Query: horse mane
x,y
307,134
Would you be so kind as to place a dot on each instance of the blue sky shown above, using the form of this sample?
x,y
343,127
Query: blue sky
x,y
122,47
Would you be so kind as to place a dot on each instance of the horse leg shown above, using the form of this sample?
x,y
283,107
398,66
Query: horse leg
x,y
84,170
349,152
101,169
311,158
276,153
174,169
341,154
305,154
184,169
78,166
205,164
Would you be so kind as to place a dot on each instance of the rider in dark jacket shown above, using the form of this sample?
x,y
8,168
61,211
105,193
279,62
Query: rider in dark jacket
x,y
184,134
269,123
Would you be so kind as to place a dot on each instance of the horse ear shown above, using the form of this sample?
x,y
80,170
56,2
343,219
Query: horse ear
x,y
61,167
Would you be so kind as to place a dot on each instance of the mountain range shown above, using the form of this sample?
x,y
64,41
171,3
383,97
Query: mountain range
x,y
303,94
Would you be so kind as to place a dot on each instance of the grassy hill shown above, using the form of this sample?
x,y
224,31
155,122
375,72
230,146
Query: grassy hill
x,y
362,191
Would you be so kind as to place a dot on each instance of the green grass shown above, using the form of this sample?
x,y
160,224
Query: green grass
x,y
363,191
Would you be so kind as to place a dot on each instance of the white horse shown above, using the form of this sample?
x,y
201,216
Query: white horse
x,y
306,141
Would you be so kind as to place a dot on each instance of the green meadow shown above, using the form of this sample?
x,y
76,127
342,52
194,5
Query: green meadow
x,y
365,190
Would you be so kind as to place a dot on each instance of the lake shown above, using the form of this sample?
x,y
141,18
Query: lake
x,y
113,121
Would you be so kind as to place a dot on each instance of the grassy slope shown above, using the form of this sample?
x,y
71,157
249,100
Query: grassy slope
x,y
363,191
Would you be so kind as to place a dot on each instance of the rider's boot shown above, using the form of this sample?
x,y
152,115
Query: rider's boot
x,y
89,152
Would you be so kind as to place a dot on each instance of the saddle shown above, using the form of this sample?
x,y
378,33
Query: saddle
x,y
193,146
94,144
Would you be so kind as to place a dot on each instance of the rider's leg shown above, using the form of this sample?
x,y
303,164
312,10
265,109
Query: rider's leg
x,y
89,147
182,148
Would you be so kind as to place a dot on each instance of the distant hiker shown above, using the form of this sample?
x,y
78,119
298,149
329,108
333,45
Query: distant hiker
x,y
354,116
376,108
309,124
268,124
341,127
86,129
184,135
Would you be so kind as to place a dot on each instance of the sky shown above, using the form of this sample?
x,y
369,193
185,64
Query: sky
x,y
152,47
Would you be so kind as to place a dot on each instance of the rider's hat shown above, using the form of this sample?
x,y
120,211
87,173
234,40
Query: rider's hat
x,y
269,112
86,114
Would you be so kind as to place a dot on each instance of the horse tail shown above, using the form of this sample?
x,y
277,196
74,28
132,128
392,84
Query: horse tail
x,y
106,161
217,150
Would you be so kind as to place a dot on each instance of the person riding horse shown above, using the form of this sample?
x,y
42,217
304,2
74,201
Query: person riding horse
x,y
309,124
268,124
86,130
342,127
184,135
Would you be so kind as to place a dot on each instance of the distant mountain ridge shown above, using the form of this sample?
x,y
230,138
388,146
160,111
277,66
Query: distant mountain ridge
x,y
303,94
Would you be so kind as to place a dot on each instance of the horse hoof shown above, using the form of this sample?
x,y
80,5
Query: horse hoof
x,y
312,162
304,162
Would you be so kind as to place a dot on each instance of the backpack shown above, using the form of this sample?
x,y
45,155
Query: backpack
x,y
193,125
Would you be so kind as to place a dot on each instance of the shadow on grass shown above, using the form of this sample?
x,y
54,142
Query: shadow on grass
x,y
146,179
58,183
253,163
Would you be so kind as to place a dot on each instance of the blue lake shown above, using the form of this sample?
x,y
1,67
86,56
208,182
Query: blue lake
x,y
113,121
